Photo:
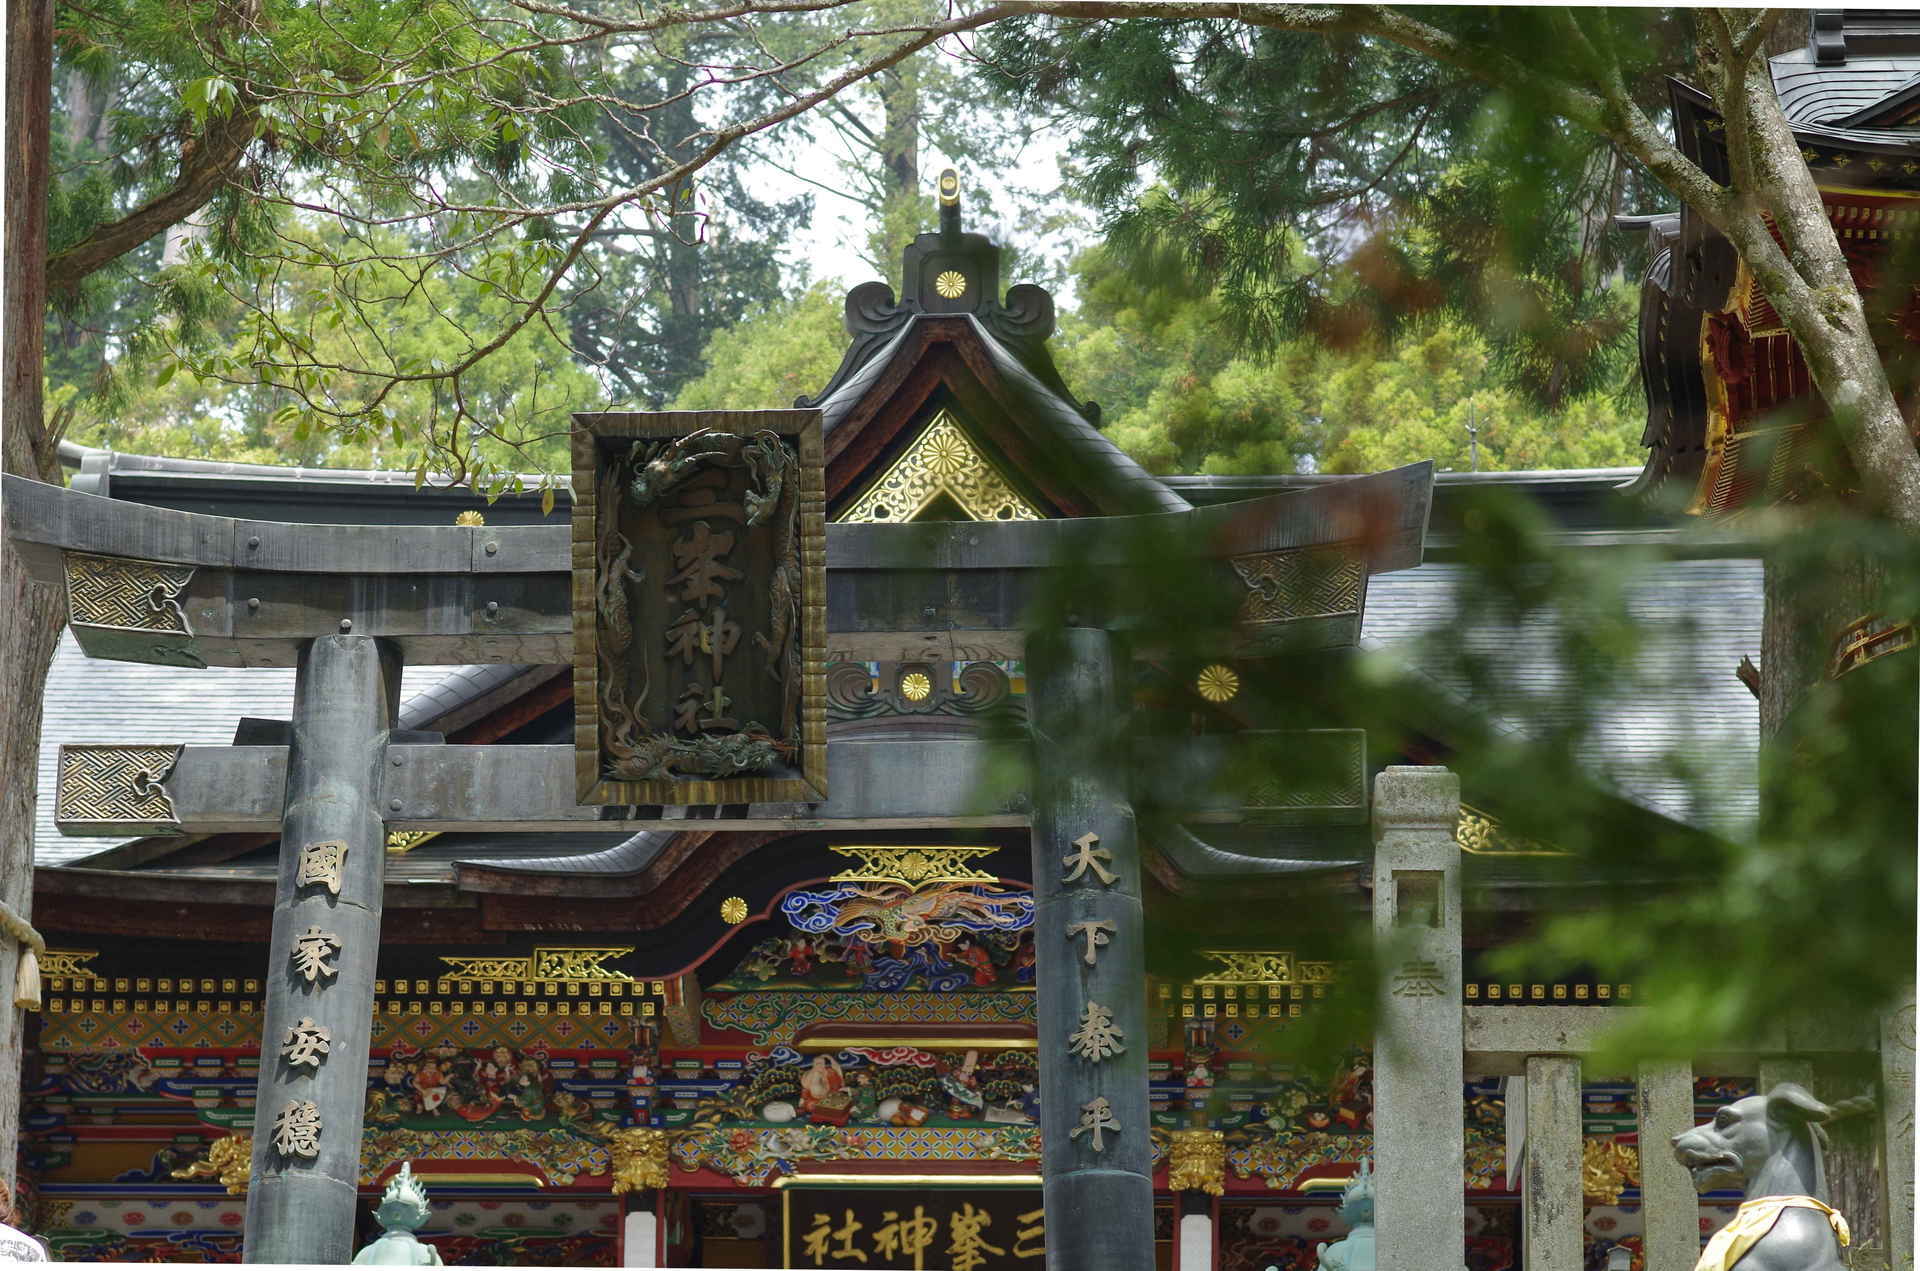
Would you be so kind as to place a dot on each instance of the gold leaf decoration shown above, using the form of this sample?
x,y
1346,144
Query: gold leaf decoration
x,y
1218,683
942,460
915,686
733,910
951,283
1197,1161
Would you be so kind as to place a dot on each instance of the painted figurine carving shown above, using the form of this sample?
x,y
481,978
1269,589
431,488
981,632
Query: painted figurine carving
x,y
1771,1143
1354,1252
403,1210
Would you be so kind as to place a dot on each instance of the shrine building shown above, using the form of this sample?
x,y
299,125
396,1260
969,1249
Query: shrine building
x,y
866,1008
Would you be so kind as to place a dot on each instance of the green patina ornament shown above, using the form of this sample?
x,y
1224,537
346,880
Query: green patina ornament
x,y
403,1211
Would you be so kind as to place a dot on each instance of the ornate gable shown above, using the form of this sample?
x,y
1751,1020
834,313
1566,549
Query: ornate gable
x,y
948,405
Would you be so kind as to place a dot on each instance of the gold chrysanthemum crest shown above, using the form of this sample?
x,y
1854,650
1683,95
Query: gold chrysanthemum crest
x,y
1218,683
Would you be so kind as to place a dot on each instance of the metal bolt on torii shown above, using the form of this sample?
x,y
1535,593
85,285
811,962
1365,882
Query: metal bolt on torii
x,y
1097,1161
318,1024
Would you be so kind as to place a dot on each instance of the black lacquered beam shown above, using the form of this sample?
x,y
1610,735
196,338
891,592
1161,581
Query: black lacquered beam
x,y
123,791
250,593
139,790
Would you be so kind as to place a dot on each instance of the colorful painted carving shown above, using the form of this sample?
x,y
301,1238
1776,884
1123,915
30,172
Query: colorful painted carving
x,y
889,937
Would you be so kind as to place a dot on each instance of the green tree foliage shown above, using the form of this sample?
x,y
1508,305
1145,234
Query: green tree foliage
x,y
769,358
1181,399
1288,165
516,404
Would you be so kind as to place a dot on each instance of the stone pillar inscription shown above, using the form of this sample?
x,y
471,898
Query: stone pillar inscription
x,y
318,1024
1097,1162
1419,1131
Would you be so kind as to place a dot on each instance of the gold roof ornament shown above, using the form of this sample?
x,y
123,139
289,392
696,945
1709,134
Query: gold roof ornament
x,y
543,965
470,517
1263,967
915,867
229,1160
1607,1168
942,460
639,1159
1197,1161
733,910
1479,834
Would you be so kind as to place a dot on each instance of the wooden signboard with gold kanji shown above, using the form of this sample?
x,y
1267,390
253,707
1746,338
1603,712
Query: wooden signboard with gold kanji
x,y
699,608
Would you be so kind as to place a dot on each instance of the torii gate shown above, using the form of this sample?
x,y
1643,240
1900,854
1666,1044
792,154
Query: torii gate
x,y
347,606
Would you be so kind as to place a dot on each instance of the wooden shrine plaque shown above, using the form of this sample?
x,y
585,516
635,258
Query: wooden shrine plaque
x,y
699,607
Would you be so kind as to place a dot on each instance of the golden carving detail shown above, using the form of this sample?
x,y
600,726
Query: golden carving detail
x,y
1197,1162
915,867
733,910
950,283
542,966
943,461
915,686
470,517
1218,683
1479,834
1259,967
639,1159
229,1159
105,786
1301,582
1607,1168
1866,639
68,962
400,842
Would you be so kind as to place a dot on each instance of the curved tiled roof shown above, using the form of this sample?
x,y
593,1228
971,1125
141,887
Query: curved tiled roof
x,y
1058,427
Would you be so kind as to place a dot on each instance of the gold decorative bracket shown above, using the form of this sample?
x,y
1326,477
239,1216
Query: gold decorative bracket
x,y
943,460
130,610
1197,1161
229,1160
68,962
116,790
542,966
639,1159
914,867
1263,968
1479,834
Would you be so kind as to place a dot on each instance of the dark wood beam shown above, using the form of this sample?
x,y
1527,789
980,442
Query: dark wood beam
x,y
249,593
883,783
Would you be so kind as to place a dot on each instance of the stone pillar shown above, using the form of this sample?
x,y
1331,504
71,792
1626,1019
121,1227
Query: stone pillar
x,y
1669,1206
1553,1208
1091,961
1419,1134
1896,1131
322,956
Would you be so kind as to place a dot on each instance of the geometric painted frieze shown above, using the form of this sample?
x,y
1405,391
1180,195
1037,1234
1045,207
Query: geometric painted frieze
x,y
130,610
777,1018
1307,770
1300,583
942,461
115,790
